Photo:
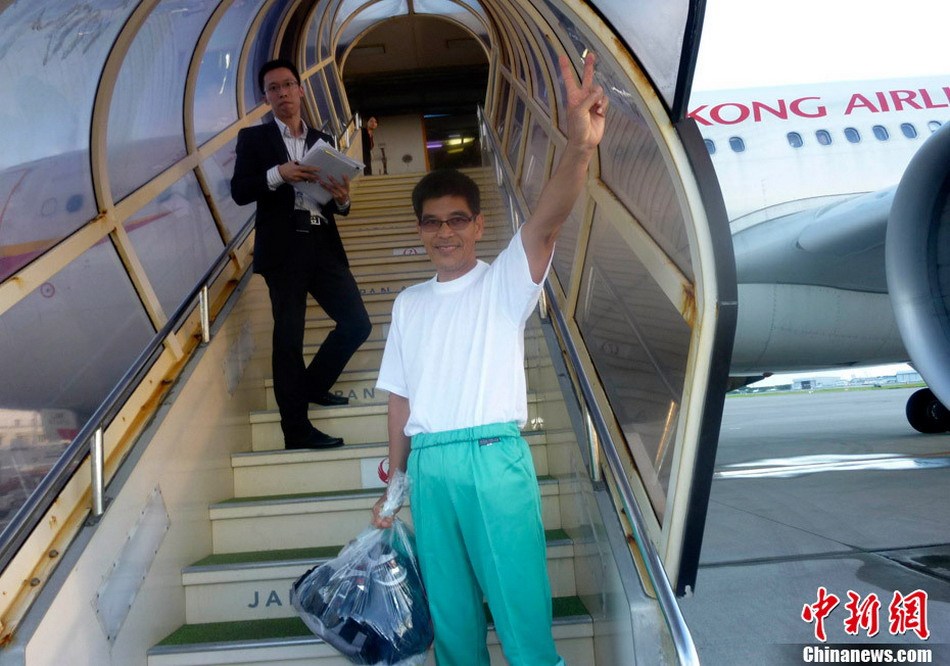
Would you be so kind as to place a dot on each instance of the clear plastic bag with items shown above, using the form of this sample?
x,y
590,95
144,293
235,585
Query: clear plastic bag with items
x,y
369,602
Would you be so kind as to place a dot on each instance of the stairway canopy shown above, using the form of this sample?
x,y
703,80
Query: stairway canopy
x,y
119,130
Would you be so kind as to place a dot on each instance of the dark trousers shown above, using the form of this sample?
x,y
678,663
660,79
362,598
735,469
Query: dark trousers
x,y
311,270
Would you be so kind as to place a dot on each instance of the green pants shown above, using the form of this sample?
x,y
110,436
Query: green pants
x,y
476,508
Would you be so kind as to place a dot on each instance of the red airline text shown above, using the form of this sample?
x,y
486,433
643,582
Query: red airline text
x,y
734,113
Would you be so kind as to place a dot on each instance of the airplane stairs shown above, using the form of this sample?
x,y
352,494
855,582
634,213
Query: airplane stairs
x,y
294,509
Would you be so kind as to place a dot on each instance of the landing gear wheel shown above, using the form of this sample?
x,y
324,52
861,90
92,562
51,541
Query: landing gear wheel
x,y
926,414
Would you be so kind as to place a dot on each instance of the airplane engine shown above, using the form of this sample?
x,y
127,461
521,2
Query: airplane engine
x,y
917,261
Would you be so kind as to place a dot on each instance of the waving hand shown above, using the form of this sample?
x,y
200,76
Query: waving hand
x,y
586,105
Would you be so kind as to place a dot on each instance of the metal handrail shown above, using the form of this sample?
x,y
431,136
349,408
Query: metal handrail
x,y
38,503
682,639
353,121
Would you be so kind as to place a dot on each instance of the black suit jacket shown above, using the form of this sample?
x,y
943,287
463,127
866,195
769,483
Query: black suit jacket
x,y
259,148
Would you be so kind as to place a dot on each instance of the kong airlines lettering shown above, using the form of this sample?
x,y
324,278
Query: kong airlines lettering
x,y
814,106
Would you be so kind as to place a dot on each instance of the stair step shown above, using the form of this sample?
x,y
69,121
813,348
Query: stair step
x,y
415,263
358,386
358,382
310,501
288,641
300,520
359,423
371,285
318,323
386,219
256,585
351,466
390,238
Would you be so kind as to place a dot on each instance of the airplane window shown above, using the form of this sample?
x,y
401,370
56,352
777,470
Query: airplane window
x,y
710,146
824,137
909,130
795,140
852,135
880,132
934,125
737,144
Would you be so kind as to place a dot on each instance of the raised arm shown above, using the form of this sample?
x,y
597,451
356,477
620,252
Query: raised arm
x,y
586,106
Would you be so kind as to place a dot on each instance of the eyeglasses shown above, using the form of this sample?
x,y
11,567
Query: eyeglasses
x,y
431,224
276,88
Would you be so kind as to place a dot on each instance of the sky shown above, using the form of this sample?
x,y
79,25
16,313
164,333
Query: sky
x,y
751,43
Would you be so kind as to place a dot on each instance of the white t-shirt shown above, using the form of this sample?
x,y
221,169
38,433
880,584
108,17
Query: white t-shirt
x,y
456,349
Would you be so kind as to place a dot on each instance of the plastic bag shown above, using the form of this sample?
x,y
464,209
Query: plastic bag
x,y
369,602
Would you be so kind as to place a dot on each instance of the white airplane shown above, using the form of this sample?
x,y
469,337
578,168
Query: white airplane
x,y
837,264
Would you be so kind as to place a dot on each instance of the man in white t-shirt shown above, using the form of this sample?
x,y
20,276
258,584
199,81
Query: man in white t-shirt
x,y
454,369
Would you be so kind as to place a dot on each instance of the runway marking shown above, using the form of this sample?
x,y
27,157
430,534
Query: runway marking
x,y
784,468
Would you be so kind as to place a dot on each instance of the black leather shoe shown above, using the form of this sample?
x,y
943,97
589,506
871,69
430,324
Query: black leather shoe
x,y
314,440
330,400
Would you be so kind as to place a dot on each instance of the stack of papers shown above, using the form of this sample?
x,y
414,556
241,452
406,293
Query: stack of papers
x,y
331,162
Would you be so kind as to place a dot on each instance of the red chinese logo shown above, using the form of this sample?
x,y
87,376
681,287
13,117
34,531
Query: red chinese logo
x,y
818,611
906,612
862,614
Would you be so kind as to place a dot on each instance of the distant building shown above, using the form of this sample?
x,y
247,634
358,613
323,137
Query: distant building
x,y
811,383
909,377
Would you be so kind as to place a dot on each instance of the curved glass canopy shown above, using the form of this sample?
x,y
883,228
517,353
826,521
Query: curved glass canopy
x,y
120,121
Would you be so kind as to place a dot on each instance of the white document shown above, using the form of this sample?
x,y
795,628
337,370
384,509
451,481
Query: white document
x,y
331,162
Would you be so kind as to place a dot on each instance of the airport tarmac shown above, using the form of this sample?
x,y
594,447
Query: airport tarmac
x,y
823,489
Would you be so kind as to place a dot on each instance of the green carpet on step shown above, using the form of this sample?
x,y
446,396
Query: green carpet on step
x,y
328,493
322,553
244,630
292,627
293,496
252,557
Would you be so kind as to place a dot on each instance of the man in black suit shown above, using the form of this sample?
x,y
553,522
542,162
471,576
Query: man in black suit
x,y
298,250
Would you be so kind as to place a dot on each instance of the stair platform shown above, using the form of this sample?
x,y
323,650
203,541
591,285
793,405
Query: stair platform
x,y
288,642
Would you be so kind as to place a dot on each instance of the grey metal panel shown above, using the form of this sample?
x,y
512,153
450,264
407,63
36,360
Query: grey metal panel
x,y
103,330
655,33
176,240
145,120
460,13
218,170
639,343
216,88
839,246
363,19
264,49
